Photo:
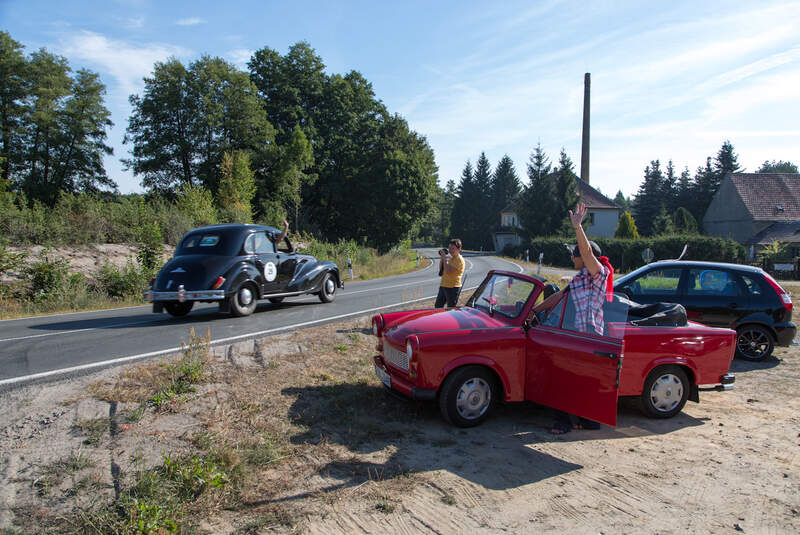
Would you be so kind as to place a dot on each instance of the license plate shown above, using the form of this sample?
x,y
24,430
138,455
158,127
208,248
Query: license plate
x,y
383,376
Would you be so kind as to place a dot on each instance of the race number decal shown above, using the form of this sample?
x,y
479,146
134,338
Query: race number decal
x,y
270,272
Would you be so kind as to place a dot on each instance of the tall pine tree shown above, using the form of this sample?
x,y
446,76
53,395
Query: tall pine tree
x,y
649,199
566,193
505,187
483,209
535,209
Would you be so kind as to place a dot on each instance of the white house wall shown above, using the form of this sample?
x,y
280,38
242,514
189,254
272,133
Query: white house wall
x,y
605,223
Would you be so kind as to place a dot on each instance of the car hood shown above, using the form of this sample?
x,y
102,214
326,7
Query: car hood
x,y
195,272
442,319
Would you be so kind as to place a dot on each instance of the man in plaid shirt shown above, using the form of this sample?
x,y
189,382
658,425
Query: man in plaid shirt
x,y
590,286
587,290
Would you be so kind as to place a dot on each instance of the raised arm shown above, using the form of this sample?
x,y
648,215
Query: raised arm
x,y
283,234
592,264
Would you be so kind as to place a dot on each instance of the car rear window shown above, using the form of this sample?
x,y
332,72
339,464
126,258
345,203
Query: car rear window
x,y
751,285
212,243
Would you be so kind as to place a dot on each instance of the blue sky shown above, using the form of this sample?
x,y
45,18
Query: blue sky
x,y
670,80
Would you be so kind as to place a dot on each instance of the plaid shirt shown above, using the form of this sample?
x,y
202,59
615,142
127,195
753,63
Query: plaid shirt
x,y
587,294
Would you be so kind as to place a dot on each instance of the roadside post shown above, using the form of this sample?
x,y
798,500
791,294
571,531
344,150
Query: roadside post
x,y
539,269
527,255
350,267
417,264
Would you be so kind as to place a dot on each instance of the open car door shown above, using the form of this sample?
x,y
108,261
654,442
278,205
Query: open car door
x,y
572,371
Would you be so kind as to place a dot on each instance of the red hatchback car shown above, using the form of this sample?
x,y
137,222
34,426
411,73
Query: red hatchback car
x,y
469,358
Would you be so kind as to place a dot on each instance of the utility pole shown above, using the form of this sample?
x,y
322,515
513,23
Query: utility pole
x,y
587,82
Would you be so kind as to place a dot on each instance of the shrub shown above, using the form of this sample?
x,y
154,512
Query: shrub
x,y
626,255
49,277
151,246
130,281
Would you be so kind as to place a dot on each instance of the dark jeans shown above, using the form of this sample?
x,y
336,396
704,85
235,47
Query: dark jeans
x,y
449,295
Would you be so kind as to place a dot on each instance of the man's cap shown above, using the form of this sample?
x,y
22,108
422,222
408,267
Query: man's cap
x,y
575,251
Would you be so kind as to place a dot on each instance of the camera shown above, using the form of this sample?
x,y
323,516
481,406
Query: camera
x,y
441,267
442,251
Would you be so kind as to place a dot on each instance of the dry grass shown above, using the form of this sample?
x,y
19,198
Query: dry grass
x,y
282,438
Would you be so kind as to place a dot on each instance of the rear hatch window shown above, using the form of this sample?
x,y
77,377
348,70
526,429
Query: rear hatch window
x,y
209,243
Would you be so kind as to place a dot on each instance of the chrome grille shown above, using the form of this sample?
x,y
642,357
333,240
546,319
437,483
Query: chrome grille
x,y
395,357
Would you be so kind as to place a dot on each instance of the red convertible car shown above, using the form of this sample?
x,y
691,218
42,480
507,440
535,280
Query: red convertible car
x,y
495,348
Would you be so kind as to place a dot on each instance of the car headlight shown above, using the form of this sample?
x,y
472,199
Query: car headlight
x,y
374,327
409,350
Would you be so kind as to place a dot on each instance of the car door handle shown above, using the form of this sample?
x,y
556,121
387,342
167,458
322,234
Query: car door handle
x,y
607,355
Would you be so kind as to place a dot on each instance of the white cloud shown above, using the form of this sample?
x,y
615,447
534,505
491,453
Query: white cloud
x,y
240,57
137,22
126,63
122,66
191,21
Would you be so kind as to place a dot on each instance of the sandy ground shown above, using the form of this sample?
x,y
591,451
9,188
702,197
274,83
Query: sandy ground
x,y
730,464
87,259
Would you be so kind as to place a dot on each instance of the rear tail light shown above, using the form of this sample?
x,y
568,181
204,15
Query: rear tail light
x,y
152,282
219,282
786,299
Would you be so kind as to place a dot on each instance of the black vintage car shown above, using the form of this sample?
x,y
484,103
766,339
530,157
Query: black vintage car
x,y
235,265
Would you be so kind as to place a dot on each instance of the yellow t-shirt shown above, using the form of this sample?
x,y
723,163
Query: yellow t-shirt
x,y
452,279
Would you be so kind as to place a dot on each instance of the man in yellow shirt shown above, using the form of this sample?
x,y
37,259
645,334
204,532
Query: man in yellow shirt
x,y
451,270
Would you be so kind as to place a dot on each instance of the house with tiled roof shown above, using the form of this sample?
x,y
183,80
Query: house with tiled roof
x,y
603,217
755,209
603,213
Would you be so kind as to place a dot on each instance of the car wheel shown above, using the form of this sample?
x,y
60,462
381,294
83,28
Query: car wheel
x,y
178,309
665,392
754,342
328,291
244,302
468,396
276,300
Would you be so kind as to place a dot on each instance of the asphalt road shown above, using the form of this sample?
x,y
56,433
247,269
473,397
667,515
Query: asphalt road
x,y
50,346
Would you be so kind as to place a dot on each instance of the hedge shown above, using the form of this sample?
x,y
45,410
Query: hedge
x,y
626,255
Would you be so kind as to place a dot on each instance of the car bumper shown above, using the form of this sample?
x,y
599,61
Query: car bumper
x,y
726,383
785,333
399,384
184,295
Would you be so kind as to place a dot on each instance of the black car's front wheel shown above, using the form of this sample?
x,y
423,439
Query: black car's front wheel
x,y
244,302
754,342
328,291
178,309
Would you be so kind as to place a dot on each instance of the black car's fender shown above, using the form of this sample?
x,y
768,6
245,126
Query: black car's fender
x,y
759,318
239,274
309,275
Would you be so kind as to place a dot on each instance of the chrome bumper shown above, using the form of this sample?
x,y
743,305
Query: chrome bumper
x,y
185,295
727,381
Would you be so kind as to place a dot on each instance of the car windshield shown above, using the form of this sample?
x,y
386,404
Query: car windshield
x,y
504,295
212,242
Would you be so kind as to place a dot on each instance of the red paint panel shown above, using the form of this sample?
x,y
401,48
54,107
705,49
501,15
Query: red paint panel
x,y
573,372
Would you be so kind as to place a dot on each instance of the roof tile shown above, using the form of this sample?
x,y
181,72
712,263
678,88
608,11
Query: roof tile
x,y
769,196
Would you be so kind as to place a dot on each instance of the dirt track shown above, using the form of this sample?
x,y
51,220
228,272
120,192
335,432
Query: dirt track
x,y
364,462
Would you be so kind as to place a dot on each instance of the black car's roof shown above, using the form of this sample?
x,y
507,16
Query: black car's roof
x,y
701,263
235,226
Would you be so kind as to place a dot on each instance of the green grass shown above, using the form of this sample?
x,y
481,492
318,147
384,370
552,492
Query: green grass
x,y
94,430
